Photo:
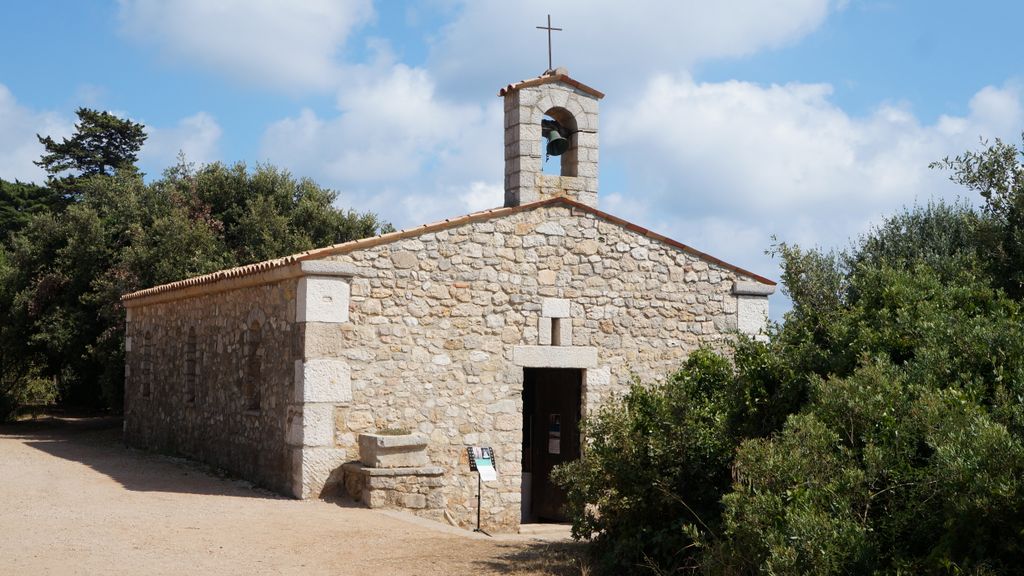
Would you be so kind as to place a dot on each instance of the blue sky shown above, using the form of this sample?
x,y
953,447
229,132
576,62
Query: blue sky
x,y
725,123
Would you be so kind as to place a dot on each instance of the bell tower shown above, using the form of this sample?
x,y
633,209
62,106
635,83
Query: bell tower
x,y
551,117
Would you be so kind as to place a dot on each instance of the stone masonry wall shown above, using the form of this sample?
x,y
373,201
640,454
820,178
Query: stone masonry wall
x,y
439,325
198,403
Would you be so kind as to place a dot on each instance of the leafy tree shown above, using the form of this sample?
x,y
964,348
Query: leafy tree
x,y
265,213
912,462
19,201
880,431
62,316
101,145
75,248
997,174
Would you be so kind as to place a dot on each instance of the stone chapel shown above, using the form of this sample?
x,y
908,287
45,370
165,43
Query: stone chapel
x,y
367,368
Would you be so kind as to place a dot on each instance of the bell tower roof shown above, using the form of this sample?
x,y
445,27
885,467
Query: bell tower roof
x,y
556,75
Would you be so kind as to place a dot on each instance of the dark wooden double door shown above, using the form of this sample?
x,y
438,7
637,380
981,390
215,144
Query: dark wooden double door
x,y
551,434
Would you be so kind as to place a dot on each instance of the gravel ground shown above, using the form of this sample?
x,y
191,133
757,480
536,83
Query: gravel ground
x,y
74,500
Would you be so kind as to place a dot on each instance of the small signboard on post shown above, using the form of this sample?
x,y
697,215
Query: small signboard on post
x,y
481,461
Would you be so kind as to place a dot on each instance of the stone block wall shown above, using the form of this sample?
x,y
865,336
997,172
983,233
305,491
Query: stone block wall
x,y
203,382
441,326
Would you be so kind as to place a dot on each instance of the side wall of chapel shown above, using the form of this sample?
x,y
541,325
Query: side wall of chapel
x,y
210,377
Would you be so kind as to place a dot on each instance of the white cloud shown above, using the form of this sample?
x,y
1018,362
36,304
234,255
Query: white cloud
x,y
623,42
196,136
19,147
396,147
781,150
482,196
286,45
723,166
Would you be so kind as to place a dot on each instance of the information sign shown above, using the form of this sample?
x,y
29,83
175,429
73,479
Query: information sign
x,y
481,460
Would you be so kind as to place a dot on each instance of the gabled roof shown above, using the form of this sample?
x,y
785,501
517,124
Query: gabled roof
x,y
346,247
556,75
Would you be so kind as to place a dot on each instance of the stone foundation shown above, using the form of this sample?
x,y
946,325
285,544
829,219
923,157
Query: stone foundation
x,y
419,490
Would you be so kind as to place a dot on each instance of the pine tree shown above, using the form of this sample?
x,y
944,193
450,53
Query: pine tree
x,y
101,145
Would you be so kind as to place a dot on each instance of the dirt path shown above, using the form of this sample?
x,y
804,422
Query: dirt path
x,y
74,500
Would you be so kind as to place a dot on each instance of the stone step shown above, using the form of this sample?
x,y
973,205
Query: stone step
x,y
546,531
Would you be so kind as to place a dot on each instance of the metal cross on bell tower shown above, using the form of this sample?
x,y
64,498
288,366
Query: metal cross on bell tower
x,y
549,29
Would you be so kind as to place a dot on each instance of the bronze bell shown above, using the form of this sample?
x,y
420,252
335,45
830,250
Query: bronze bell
x,y
557,144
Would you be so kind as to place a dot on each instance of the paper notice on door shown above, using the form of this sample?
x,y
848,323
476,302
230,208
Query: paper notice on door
x,y
554,445
554,434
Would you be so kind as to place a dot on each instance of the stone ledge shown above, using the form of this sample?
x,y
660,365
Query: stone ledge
x,y
555,356
327,268
418,471
752,289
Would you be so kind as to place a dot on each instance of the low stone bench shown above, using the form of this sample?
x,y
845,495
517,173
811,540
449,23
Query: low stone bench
x,y
395,472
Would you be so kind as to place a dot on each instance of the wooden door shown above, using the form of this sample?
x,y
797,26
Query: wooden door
x,y
551,413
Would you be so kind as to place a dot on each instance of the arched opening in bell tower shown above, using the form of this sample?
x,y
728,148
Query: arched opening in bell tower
x,y
558,124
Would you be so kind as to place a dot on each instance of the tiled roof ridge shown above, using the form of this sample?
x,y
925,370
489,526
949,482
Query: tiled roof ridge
x,y
371,241
556,75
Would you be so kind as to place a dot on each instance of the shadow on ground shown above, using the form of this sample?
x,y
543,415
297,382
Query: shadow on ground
x,y
96,442
547,558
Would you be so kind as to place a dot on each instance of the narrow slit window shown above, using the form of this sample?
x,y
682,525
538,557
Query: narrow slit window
x,y
253,367
190,366
146,381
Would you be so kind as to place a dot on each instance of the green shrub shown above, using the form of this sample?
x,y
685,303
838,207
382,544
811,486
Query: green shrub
x,y
654,470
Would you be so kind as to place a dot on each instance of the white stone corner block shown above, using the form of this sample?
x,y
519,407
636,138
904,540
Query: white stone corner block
x,y
127,343
554,307
318,425
322,299
554,356
544,331
752,289
752,314
323,380
313,469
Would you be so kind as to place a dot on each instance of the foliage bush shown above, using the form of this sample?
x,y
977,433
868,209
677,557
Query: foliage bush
x,y
880,431
658,459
